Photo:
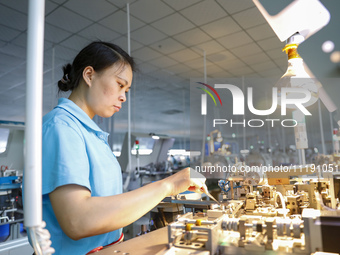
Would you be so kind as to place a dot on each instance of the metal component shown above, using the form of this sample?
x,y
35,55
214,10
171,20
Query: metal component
x,y
230,224
293,204
269,228
296,228
186,235
250,201
242,227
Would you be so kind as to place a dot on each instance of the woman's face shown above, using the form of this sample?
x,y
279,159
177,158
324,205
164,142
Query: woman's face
x,y
107,90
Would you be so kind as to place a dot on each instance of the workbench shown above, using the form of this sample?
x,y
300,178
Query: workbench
x,y
155,243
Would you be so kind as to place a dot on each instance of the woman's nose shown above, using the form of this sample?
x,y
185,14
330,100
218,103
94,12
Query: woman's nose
x,y
122,97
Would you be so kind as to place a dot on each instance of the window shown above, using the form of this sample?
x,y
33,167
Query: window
x,y
4,134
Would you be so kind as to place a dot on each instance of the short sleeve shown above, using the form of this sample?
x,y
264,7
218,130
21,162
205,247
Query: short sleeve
x,y
64,157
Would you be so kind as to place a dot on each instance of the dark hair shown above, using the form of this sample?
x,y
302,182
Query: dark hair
x,y
99,55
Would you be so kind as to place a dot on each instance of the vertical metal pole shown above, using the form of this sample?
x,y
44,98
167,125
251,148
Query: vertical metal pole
x,y
283,140
129,102
302,158
129,94
321,129
184,124
269,139
299,155
33,126
128,28
204,116
53,88
331,120
134,108
244,128
205,66
269,133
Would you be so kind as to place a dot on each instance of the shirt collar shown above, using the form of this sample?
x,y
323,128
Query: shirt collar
x,y
79,114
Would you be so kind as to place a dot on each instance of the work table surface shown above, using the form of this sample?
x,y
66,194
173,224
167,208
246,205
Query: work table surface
x,y
154,243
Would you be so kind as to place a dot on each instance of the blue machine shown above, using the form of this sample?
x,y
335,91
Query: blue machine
x,y
9,183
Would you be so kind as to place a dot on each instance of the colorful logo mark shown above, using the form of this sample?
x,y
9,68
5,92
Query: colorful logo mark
x,y
209,93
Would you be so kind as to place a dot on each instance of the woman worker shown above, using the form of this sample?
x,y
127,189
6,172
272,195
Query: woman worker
x,y
83,203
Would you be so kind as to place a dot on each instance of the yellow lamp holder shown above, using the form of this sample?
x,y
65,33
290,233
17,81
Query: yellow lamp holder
x,y
296,75
291,50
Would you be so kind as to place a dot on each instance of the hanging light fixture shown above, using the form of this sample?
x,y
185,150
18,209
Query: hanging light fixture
x,y
296,75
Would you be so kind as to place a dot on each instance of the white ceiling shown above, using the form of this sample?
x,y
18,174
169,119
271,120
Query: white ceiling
x,y
167,40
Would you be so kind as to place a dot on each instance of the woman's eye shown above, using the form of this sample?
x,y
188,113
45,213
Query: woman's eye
x,y
120,85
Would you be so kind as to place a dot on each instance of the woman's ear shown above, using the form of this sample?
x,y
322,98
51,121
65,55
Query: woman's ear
x,y
88,74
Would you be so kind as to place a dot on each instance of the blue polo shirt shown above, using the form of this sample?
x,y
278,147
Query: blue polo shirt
x,y
76,151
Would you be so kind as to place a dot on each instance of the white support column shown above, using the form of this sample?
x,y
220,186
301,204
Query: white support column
x,y
33,125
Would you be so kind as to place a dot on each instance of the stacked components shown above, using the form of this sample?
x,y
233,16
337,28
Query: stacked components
x,y
254,216
219,232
